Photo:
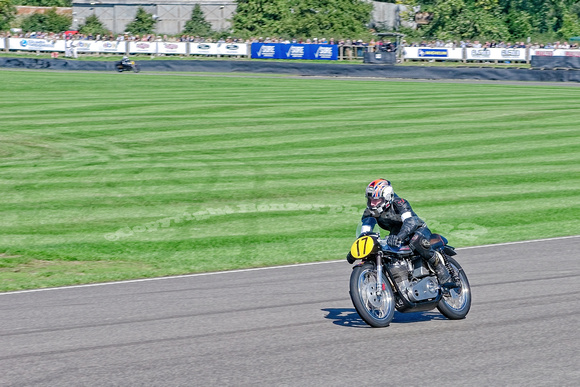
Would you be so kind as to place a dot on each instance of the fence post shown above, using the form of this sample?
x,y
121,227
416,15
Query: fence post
x,y
528,58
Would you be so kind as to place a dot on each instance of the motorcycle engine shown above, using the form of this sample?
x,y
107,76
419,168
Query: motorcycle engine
x,y
413,280
423,289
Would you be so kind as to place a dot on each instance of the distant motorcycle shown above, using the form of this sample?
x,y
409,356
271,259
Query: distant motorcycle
x,y
127,66
389,278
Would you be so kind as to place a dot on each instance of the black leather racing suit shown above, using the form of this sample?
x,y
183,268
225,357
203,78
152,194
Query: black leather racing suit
x,y
400,219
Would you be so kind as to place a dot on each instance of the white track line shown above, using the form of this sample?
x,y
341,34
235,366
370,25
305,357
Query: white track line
x,y
254,269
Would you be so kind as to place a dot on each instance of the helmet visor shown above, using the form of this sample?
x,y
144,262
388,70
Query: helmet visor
x,y
376,203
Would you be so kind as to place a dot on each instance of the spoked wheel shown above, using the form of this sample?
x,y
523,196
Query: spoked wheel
x,y
455,303
375,306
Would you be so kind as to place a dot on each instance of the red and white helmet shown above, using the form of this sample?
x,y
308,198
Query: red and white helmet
x,y
379,195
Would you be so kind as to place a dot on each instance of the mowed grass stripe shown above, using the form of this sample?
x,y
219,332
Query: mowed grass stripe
x,y
188,174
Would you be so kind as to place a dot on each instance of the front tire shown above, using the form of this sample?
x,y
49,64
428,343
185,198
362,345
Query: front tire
x,y
376,308
455,303
136,68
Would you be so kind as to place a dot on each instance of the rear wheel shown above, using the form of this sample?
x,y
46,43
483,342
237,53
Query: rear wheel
x,y
455,303
375,306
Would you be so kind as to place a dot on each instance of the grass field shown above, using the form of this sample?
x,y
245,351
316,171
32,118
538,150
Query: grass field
x,y
116,176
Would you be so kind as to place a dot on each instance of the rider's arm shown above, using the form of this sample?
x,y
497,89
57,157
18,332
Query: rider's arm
x,y
411,221
368,222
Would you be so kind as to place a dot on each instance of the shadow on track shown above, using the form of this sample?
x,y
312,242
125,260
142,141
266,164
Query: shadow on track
x,y
348,317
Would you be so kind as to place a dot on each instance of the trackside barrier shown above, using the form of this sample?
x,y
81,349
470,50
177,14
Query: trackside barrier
x,y
428,53
294,51
482,54
558,52
125,47
255,50
276,50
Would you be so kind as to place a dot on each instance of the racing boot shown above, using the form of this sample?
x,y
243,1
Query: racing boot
x,y
349,258
445,278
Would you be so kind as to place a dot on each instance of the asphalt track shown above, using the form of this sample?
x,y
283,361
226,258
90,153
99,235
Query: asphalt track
x,y
295,326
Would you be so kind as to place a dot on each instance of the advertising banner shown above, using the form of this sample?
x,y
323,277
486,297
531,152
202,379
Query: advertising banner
x,y
232,49
83,45
324,51
97,46
554,52
2,43
569,53
266,51
503,54
203,49
29,44
111,46
541,52
441,53
172,47
294,51
143,47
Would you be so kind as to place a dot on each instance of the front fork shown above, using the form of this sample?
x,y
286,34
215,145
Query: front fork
x,y
380,284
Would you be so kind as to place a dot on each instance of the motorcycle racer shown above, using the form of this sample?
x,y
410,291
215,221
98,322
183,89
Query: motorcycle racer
x,y
395,215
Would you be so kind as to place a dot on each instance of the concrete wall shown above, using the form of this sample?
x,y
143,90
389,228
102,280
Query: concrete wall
x,y
173,14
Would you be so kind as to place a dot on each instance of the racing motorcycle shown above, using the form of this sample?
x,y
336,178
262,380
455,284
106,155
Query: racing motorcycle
x,y
129,66
386,278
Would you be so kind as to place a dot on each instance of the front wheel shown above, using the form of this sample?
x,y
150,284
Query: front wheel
x,y
375,306
136,68
455,303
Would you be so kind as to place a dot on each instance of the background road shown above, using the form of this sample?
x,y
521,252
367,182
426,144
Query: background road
x,y
296,326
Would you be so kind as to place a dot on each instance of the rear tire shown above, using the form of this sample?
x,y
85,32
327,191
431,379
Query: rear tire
x,y
376,308
455,303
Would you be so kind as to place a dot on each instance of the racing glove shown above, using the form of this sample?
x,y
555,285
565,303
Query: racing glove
x,y
394,241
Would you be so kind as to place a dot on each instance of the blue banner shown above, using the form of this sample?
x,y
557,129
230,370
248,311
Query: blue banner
x,y
294,51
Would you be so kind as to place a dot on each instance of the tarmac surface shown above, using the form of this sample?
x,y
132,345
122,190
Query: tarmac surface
x,y
296,326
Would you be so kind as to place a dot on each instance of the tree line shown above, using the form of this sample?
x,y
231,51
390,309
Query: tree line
x,y
500,19
447,19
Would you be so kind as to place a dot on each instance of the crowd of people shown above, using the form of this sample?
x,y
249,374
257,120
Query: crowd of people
x,y
491,44
372,44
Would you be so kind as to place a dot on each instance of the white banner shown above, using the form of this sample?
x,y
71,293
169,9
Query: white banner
x,y
98,46
566,52
29,44
503,54
203,49
2,43
441,53
172,47
232,49
143,47
218,49
541,52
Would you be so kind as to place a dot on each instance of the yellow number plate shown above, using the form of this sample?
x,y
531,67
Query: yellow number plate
x,y
362,247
